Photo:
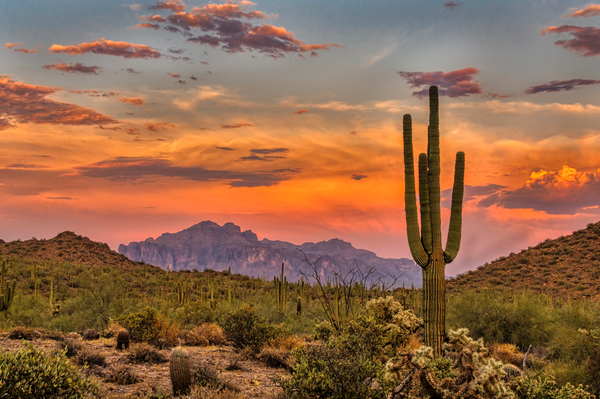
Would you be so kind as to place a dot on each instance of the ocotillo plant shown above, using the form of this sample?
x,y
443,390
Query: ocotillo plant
x,y
7,293
426,247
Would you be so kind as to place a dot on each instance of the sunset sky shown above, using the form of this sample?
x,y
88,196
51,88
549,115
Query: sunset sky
x,y
121,121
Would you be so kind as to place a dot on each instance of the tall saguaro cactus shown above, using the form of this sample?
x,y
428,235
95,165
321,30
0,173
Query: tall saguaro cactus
x,y
426,246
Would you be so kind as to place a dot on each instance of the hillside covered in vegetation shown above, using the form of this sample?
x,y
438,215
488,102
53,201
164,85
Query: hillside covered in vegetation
x,y
568,266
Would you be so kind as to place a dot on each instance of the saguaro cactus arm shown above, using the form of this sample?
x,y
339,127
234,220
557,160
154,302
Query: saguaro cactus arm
x,y
454,232
425,206
410,199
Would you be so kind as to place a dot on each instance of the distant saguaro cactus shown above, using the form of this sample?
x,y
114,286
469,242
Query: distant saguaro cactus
x,y
426,246
7,293
181,376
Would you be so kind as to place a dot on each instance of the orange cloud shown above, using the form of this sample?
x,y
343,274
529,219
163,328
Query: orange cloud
x,y
591,10
108,47
96,93
133,101
155,127
21,50
133,131
25,103
302,111
452,84
147,25
585,41
174,75
566,191
77,68
173,5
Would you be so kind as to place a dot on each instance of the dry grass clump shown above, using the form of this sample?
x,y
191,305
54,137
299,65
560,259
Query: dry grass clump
x,y
276,353
112,330
507,353
90,357
145,353
123,375
206,334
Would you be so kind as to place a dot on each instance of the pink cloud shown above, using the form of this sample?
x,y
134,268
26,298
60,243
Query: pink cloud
x,y
108,47
585,41
133,101
230,27
591,10
147,25
452,84
25,103
77,68
563,85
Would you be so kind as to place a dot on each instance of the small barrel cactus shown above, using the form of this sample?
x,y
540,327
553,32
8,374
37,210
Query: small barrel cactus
x,y
123,339
181,377
511,371
91,334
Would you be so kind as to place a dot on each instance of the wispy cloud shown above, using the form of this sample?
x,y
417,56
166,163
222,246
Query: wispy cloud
x,y
141,168
155,127
25,103
74,68
452,5
357,176
590,10
561,85
133,101
235,126
108,47
17,47
300,112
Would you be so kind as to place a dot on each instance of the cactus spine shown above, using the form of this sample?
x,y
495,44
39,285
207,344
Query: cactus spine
x,y
7,293
426,246
179,367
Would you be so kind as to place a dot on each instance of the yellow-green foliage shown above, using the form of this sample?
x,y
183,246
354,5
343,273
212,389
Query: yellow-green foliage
x,y
30,373
399,323
147,326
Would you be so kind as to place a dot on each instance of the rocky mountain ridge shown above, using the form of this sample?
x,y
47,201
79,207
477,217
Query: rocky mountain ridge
x,y
207,245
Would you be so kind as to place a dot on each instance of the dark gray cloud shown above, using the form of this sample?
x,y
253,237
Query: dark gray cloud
x,y
561,85
137,168
269,150
357,176
225,148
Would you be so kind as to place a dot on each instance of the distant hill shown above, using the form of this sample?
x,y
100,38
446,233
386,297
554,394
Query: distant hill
x,y
66,247
208,245
566,266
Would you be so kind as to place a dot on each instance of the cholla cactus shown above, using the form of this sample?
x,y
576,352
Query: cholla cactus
x,y
466,371
400,323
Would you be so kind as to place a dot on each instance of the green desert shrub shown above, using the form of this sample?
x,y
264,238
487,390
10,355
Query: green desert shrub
x,y
352,363
526,320
148,326
243,328
30,373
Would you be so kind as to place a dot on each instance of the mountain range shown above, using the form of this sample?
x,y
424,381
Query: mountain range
x,y
207,245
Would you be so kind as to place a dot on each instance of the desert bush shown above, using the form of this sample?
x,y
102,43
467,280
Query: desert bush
x,y
72,346
25,333
90,334
123,375
30,373
206,334
244,329
277,352
90,357
146,353
525,321
147,326
351,363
